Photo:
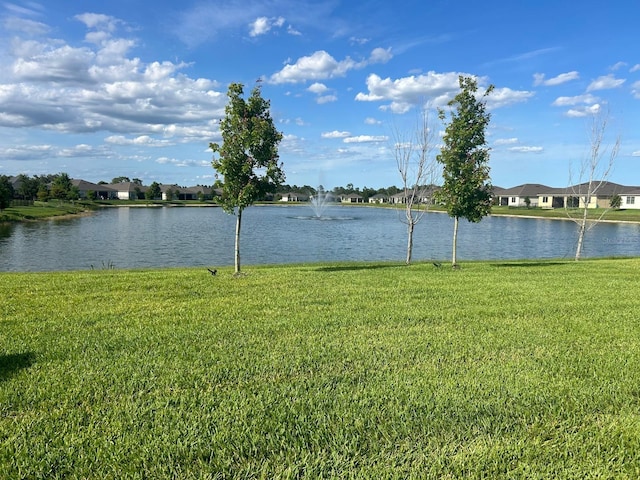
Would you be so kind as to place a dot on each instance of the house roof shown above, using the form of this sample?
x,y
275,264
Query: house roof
x,y
524,190
126,187
85,186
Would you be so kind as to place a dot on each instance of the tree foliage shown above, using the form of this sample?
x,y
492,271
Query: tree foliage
x,y
153,191
6,192
61,187
248,157
466,189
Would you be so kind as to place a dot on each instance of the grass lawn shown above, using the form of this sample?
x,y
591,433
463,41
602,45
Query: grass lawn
x,y
42,210
496,370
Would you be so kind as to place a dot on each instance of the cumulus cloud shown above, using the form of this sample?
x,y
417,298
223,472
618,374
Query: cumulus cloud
x,y
505,141
569,101
525,149
321,65
605,82
366,139
318,88
539,79
142,140
635,90
263,25
335,134
579,112
438,88
68,88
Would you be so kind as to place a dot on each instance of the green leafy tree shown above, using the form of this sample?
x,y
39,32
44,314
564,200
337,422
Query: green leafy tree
x,y
616,201
92,195
6,192
43,193
466,189
27,187
248,157
61,187
153,191
120,180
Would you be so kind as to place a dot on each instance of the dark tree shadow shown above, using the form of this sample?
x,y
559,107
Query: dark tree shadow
x,y
343,268
529,264
13,363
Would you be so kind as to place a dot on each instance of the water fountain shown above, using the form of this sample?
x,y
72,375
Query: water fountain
x,y
319,203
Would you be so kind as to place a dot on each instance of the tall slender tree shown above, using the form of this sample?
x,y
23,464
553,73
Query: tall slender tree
x,y
248,157
417,168
594,171
466,189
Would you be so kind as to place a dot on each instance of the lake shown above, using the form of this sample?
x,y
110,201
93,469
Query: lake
x,y
135,237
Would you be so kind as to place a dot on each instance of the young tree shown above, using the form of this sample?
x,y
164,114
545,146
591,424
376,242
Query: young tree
x,y
6,192
466,190
153,191
61,186
417,167
248,156
594,171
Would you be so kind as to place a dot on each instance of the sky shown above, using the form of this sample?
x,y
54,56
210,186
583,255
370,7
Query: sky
x,y
137,88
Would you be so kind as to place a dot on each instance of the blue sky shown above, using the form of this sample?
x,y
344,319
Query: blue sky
x,y
137,88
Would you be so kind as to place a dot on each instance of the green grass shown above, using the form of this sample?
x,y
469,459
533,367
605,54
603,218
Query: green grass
x,y
496,370
594,214
42,210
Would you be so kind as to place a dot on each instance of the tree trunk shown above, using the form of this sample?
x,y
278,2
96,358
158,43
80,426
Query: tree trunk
x,y
237,248
455,242
582,227
410,227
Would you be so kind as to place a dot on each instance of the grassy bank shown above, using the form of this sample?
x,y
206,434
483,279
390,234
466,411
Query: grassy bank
x,y
43,210
497,370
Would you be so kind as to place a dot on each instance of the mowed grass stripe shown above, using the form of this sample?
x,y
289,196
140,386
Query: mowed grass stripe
x,y
350,370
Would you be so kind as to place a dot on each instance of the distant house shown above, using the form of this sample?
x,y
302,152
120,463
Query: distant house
x,y
294,197
379,198
127,190
423,195
102,191
517,196
352,198
630,198
574,196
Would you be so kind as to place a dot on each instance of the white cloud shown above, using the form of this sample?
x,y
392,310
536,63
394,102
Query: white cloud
x,y
142,140
65,88
326,99
380,55
366,139
539,79
372,121
505,141
635,68
502,97
438,88
525,149
618,66
605,82
635,90
335,134
321,65
580,112
569,101
317,88
263,25
636,153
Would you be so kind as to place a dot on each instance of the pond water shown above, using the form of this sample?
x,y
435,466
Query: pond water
x,y
134,237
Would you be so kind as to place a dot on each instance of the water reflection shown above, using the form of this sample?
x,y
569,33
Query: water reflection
x,y
166,237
